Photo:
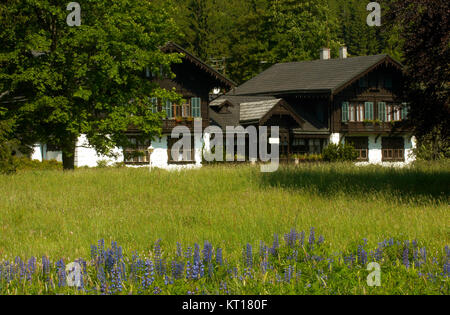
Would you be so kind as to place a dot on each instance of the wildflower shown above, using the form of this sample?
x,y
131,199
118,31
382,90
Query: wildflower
x,y
196,254
188,253
288,274
321,240
207,252
148,275
219,258
362,255
406,256
61,269
223,287
312,237
46,268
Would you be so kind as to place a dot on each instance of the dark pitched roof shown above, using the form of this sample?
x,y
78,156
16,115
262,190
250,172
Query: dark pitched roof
x,y
232,118
318,76
172,47
256,110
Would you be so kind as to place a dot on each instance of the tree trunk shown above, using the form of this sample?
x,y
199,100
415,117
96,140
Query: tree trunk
x,y
68,155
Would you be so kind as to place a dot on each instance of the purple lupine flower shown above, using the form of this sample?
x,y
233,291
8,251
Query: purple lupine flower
x,y
207,252
210,270
46,268
93,252
31,268
177,270
61,270
321,240
157,291
149,275
288,273
362,255
195,271
219,257
188,270
101,276
188,253
101,251
224,288
276,245
379,253
406,256
312,237
301,238
196,254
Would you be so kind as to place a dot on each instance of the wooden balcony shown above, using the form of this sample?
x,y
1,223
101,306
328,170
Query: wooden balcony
x,y
370,127
169,124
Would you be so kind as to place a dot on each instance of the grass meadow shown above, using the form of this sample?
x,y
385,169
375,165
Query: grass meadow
x,y
60,214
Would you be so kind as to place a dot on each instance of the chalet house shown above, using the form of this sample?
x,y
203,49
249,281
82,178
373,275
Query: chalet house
x,y
324,101
194,81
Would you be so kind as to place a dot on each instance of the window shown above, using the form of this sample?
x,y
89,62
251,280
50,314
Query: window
x,y
196,104
185,155
382,111
359,109
345,108
315,146
393,149
307,146
186,110
137,152
393,112
368,111
168,109
361,144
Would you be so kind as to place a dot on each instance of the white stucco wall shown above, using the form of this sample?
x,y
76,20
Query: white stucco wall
x,y
335,138
37,153
87,156
375,153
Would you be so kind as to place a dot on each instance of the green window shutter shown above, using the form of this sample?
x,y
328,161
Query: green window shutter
x,y
196,107
382,111
154,102
345,111
168,109
368,111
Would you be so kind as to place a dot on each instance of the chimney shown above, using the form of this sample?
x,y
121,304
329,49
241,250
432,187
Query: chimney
x,y
325,54
343,52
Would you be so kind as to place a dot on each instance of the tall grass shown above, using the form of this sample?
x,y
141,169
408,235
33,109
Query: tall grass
x,y
60,214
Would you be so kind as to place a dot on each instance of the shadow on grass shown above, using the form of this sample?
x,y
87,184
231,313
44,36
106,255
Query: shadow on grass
x,y
415,184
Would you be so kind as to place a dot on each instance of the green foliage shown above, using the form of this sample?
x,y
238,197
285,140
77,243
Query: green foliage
x,y
433,146
6,144
26,164
424,28
249,36
340,153
299,264
88,79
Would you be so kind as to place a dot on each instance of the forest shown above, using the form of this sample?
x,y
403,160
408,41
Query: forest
x,y
242,38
